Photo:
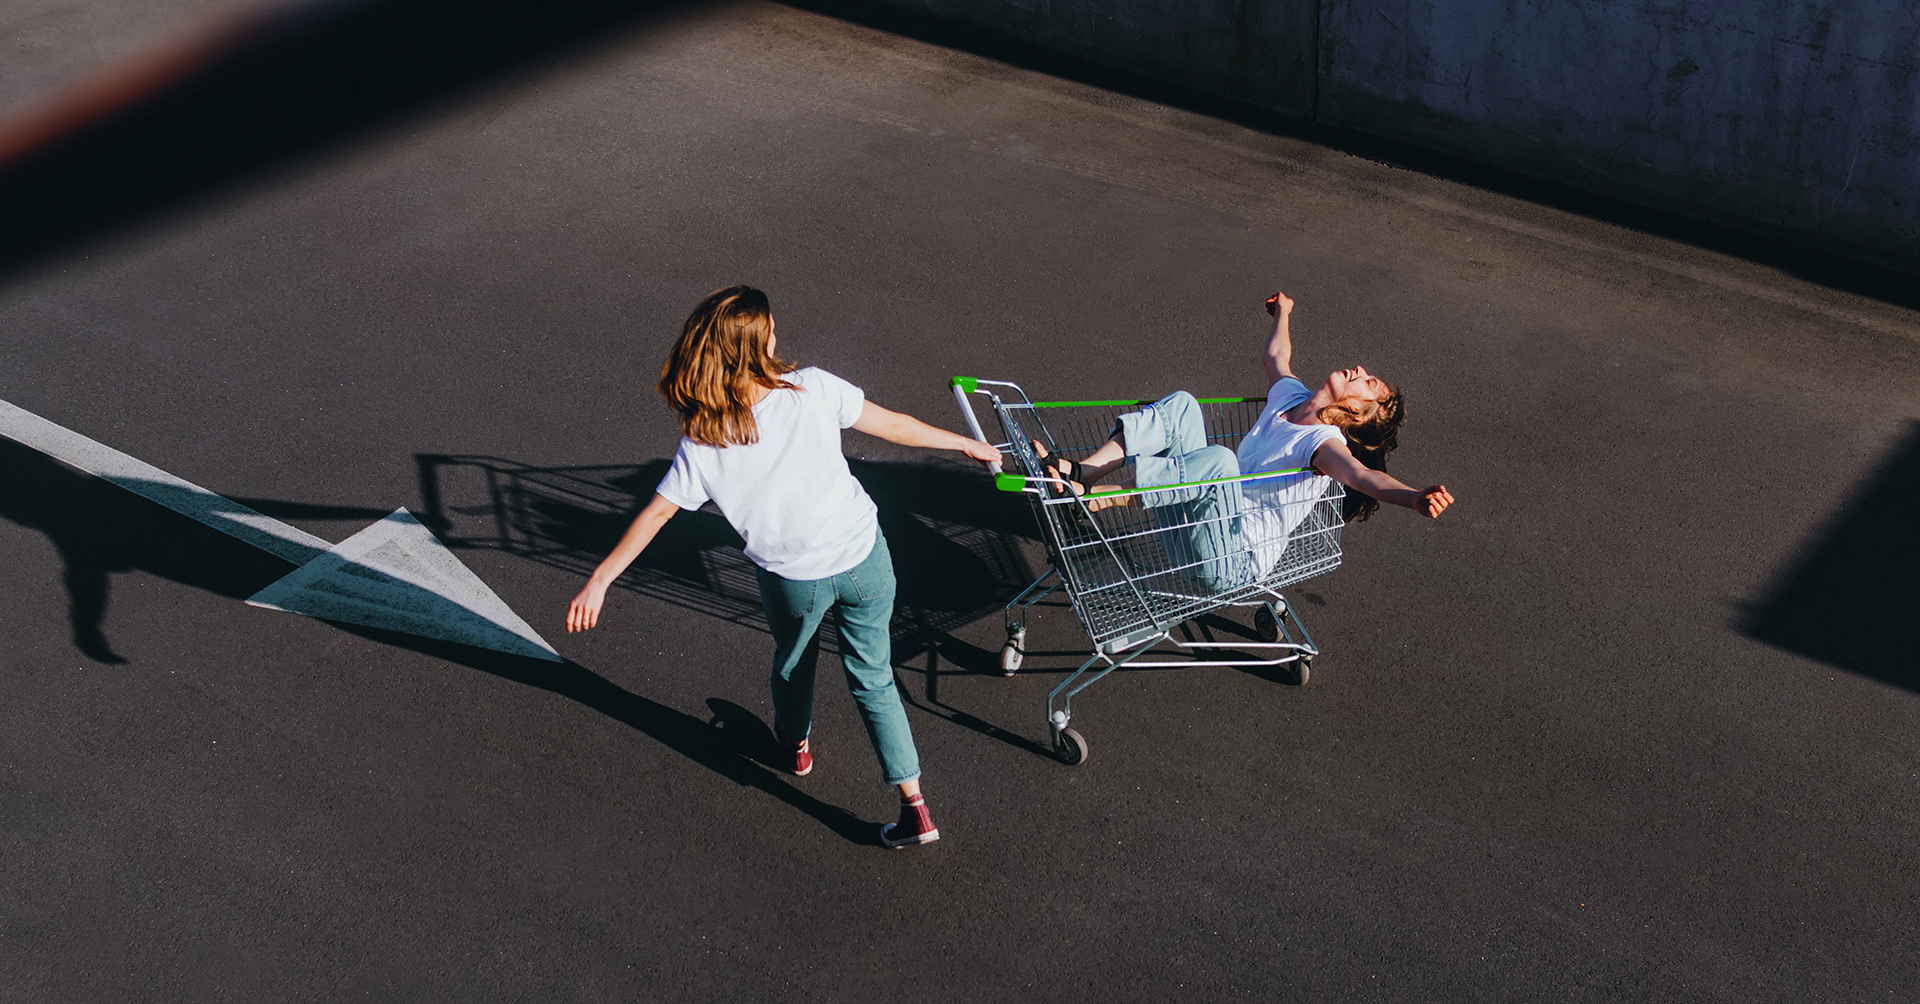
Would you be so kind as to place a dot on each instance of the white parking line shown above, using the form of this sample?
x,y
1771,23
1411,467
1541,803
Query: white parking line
x,y
394,575
141,478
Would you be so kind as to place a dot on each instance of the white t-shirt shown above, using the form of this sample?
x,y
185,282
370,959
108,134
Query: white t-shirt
x,y
790,495
1274,506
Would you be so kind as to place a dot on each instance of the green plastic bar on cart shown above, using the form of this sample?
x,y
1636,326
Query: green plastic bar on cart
x,y
1015,482
1136,404
971,384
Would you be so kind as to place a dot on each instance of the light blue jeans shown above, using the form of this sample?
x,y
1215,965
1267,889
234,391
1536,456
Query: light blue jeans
x,y
1167,444
864,594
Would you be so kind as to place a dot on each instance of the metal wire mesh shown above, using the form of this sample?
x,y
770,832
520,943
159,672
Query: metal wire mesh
x,y
1129,570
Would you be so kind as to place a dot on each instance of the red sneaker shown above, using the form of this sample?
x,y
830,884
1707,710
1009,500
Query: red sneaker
x,y
915,826
801,763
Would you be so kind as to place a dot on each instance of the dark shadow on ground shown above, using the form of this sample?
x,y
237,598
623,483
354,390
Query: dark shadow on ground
x,y
1850,597
359,516
1837,271
956,543
955,540
956,546
290,83
99,529
733,743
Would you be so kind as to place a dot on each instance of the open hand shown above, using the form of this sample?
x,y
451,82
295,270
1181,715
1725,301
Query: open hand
x,y
1434,501
584,611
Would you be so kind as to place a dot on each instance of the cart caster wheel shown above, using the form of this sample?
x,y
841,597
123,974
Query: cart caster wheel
x,y
1302,670
1013,652
1265,625
1070,747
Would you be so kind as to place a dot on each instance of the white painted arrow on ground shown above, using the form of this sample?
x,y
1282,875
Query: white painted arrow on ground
x,y
394,574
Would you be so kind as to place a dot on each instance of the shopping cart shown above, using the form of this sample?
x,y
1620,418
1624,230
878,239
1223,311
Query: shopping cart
x,y
1132,573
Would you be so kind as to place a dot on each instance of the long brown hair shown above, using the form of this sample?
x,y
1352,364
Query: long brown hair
x,y
1370,437
718,360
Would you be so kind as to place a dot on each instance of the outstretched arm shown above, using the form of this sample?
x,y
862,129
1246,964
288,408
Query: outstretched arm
x,y
584,611
1337,462
907,430
1279,356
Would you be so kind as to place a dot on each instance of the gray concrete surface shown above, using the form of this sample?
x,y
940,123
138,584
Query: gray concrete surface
x,y
1261,52
55,44
1793,119
1546,756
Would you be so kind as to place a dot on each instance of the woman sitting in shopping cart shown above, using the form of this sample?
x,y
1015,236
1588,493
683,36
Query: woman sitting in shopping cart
x,y
1227,535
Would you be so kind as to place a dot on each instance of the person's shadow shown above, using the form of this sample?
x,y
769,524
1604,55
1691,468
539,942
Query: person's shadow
x,y
732,741
99,529
956,544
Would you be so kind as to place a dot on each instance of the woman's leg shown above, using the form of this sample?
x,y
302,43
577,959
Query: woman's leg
x,y
1167,445
1170,426
865,595
1167,427
1167,442
1203,536
794,610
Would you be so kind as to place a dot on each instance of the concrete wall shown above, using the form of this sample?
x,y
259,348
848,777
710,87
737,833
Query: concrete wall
x,y
1258,50
1797,119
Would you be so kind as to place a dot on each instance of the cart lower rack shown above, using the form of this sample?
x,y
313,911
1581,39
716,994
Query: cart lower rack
x,y
1168,553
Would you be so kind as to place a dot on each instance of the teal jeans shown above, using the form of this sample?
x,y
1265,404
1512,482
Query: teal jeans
x,y
864,594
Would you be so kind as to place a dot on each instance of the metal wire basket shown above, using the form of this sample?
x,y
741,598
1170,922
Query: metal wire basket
x,y
1135,573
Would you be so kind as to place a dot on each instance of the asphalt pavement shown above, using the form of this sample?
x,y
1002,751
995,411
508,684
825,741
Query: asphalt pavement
x,y
1637,719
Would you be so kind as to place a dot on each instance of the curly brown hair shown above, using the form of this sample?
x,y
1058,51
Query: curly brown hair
x,y
1370,437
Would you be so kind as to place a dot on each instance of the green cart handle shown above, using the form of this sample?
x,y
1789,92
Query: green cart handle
x,y
1015,482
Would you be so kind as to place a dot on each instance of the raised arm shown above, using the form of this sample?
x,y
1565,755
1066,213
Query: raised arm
x,y
1279,355
907,430
1337,462
584,611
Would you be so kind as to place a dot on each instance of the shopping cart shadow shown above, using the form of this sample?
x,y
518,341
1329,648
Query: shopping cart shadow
x,y
1848,598
957,545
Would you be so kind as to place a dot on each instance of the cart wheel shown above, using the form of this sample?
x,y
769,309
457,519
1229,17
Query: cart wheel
x,y
1265,625
1013,651
1303,668
1070,747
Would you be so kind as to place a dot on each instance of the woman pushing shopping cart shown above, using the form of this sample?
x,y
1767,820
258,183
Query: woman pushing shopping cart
x,y
1183,506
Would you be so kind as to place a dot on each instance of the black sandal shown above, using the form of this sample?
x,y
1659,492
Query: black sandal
x,y
1073,472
